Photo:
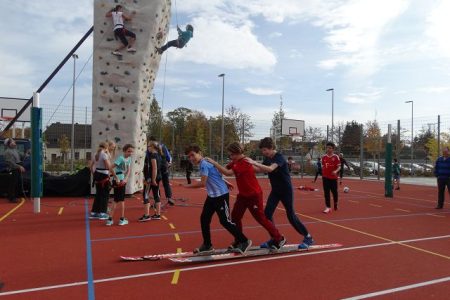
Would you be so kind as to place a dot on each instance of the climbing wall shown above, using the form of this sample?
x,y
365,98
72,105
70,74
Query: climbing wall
x,y
122,85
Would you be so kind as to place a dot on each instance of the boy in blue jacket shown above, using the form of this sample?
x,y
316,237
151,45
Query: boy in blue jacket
x,y
183,39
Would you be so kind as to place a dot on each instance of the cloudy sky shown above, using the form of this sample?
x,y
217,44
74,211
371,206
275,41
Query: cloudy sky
x,y
375,54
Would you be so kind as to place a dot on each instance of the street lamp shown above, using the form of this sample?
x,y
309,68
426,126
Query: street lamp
x,y
223,124
72,135
332,113
412,133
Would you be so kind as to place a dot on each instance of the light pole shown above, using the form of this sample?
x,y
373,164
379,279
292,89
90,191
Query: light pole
x,y
332,113
223,121
72,135
412,133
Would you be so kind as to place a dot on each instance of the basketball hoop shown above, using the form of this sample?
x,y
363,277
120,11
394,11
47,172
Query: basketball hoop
x,y
5,121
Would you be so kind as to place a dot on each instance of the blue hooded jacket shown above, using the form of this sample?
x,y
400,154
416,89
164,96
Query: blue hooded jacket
x,y
442,168
184,36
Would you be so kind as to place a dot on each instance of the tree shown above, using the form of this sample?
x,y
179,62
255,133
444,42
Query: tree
x,y
64,146
432,145
155,120
373,138
241,121
351,138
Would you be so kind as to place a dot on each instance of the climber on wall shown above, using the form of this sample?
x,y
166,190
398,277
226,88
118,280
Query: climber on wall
x,y
183,39
120,31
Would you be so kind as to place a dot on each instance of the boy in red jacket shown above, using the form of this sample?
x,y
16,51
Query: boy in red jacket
x,y
330,171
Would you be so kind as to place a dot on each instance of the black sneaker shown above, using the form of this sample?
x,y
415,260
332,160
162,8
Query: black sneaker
x,y
144,218
233,246
204,250
156,217
244,246
277,246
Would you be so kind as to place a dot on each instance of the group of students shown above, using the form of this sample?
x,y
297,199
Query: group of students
x,y
250,196
105,166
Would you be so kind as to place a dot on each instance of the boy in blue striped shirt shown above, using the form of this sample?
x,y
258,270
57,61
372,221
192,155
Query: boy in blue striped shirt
x,y
217,201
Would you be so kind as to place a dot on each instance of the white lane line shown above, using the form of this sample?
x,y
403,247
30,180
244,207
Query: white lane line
x,y
399,289
232,263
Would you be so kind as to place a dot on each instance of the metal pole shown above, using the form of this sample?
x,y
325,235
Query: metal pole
x,y
328,130
439,136
332,113
72,134
210,138
243,131
223,121
398,140
85,133
361,153
412,133
388,164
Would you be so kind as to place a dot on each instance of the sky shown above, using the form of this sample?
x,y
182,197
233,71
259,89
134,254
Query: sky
x,y
374,54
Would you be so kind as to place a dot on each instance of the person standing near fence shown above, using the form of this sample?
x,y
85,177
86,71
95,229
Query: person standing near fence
x,y
189,169
101,167
122,173
15,168
442,172
396,174
330,170
166,163
318,169
152,177
341,170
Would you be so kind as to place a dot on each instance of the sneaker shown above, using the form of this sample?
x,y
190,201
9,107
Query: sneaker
x,y
307,242
109,222
117,53
156,217
159,50
244,246
267,244
131,49
233,246
144,218
170,202
327,210
204,249
94,216
103,216
277,246
123,221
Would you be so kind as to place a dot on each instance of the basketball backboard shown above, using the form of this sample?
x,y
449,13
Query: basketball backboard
x,y
9,107
291,127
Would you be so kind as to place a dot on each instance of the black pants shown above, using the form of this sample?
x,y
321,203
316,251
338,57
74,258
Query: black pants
x,y
330,185
166,184
15,185
119,192
219,205
101,197
287,199
317,175
188,176
155,192
442,183
174,43
122,33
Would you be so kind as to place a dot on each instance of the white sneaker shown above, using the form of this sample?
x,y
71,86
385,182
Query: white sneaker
x,y
123,222
109,222
117,53
327,210
131,49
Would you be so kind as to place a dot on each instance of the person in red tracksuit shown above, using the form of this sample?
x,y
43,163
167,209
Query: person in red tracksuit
x,y
330,171
250,194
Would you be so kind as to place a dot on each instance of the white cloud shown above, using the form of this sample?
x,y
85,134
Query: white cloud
x,y
434,89
294,53
263,91
275,34
438,25
364,97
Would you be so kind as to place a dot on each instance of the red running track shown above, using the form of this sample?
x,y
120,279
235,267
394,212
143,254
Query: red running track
x,y
393,249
